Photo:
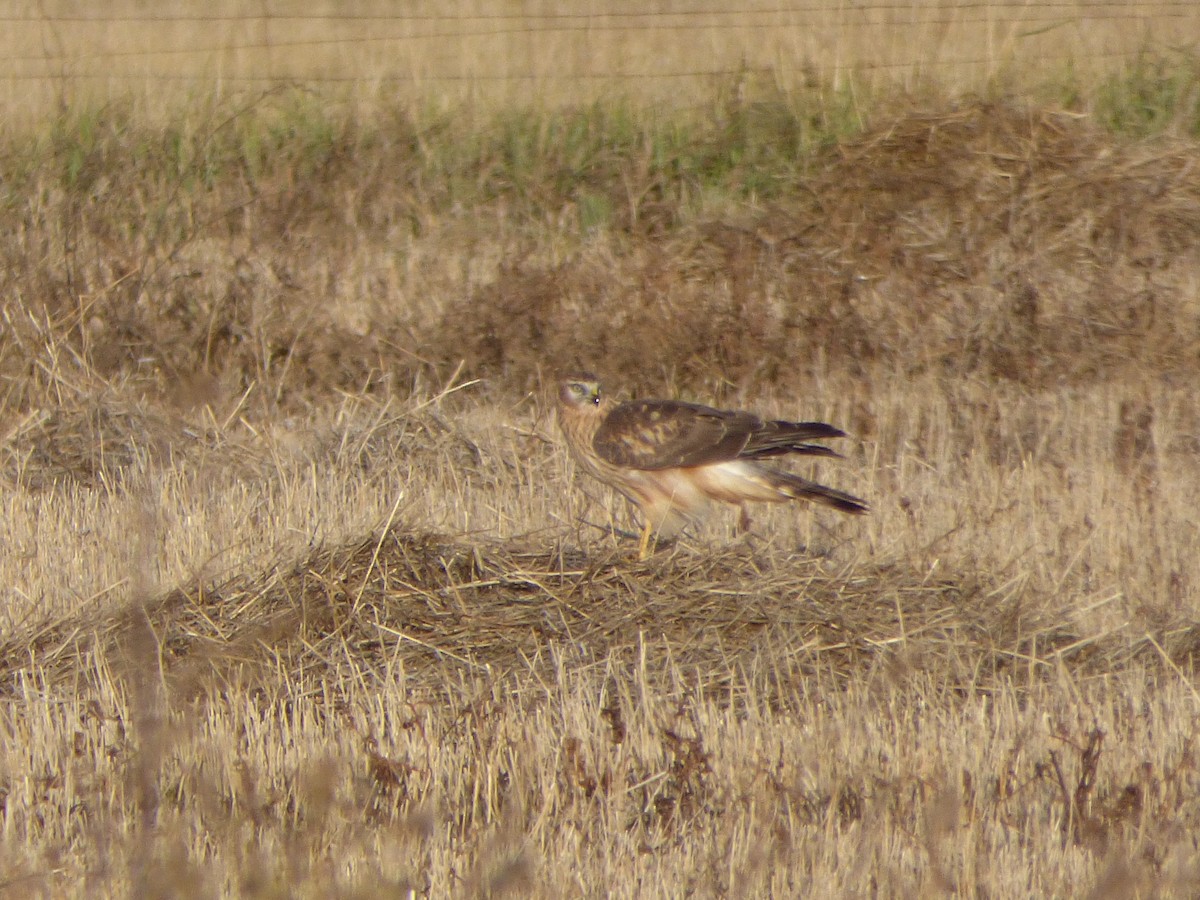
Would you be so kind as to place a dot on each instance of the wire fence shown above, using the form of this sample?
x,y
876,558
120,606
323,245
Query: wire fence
x,y
491,44
1021,10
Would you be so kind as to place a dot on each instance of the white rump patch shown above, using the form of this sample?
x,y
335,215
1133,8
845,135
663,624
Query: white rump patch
x,y
671,499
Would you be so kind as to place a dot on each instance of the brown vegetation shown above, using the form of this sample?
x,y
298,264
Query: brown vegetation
x,y
994,241
295,605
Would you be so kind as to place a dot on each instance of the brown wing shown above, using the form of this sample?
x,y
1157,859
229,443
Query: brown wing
x,y
665,434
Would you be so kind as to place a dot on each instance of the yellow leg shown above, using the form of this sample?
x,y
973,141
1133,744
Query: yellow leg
x,y
644,543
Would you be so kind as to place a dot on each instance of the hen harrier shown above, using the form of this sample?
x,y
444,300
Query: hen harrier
x,y
670,457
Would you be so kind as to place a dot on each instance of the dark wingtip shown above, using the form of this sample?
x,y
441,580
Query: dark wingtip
x,y
854,507
817,429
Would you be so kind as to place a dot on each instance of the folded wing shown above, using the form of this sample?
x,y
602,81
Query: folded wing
x,y
667,434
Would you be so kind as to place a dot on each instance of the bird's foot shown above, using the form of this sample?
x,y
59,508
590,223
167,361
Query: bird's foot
x,y
651,543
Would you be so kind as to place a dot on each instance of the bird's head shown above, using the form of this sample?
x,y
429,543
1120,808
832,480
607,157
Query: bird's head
x,y
580,391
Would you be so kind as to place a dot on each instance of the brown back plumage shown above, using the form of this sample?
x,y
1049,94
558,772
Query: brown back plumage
x,y
664,434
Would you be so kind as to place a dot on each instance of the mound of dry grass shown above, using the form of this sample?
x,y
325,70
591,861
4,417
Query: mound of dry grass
x,y
441,710
428,602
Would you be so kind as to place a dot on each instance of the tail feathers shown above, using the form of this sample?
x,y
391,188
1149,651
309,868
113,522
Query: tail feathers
x,y
798,488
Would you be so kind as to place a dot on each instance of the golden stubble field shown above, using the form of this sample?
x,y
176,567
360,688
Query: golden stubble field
x,y
302,596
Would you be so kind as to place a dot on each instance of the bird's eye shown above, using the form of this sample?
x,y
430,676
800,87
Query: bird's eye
x,y
582,391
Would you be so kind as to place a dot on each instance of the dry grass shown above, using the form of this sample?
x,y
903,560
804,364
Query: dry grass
x,y
488,51
1017,243
513,702
294,604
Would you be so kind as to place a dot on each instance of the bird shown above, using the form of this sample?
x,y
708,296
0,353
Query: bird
x,y
670,458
